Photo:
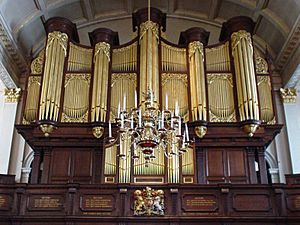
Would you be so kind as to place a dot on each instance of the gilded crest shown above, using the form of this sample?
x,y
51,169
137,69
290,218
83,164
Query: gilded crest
x,y
149,202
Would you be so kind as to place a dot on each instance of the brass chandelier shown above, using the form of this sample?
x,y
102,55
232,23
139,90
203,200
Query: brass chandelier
x,y
149,129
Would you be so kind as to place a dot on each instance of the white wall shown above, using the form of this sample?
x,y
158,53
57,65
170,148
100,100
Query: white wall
x,y
292,115
7,120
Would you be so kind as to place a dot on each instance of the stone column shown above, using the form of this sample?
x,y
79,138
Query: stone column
x,y
8,108
291,105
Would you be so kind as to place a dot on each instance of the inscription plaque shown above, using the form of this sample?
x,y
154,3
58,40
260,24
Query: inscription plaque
x,y
293,202
250,202
97,202
199,203
45,203
5,202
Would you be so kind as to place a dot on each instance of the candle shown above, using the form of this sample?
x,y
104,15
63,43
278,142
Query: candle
x,y
179,126
124,103
131,121
162,119
119,110
176,109
109,129
122,120
135,99
166,102
140,118
187,132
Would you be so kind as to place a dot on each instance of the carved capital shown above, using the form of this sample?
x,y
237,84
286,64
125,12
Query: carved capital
x,y
12,95
104,47
288,95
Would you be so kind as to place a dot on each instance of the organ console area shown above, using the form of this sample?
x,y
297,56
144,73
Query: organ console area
x,y
222,92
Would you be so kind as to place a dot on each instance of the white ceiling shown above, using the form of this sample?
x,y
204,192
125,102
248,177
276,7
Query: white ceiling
x,y
22,32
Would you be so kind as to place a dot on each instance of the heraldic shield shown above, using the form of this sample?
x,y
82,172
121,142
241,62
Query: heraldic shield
x,y
149,202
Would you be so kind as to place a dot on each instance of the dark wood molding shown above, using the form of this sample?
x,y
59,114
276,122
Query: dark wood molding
x,y
141,16
63,25
235,24
104,35
194,34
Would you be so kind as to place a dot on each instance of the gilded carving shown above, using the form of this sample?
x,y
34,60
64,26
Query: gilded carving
x,y
196,46
120,76
173,76
288,95
62,39
12,95
102,46
33,80
47,129
84,77
98,132
272,122
220,76
68,119
38,63
236,37
149,202
214,118
200,131
149,25
261,65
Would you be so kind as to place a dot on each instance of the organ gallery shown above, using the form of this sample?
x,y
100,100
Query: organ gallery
x,y
149,131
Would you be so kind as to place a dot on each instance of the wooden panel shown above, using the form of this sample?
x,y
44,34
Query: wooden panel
x,y
236,163
82,163
82,166
60,166
215,163
215,166
251,202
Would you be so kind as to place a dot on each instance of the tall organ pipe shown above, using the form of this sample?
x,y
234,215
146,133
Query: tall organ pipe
x,y
59,32
149,28
56,51
239,31
102,39
242,51
149,71
196,39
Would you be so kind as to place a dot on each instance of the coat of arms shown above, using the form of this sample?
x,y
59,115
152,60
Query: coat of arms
x,y
149,202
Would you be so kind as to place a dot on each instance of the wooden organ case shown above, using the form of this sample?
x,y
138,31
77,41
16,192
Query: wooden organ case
x,y
224,92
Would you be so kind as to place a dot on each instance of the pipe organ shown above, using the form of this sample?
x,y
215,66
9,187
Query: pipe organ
x,y
74,86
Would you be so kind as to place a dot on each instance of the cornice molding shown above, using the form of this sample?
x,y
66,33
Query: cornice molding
x,y
289,47
12,61
6,78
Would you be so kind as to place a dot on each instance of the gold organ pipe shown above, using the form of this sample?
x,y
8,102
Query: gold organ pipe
x,y
243,55
243,83
239,89
99,97
149,57
248,78
53,73
253,81
31,107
